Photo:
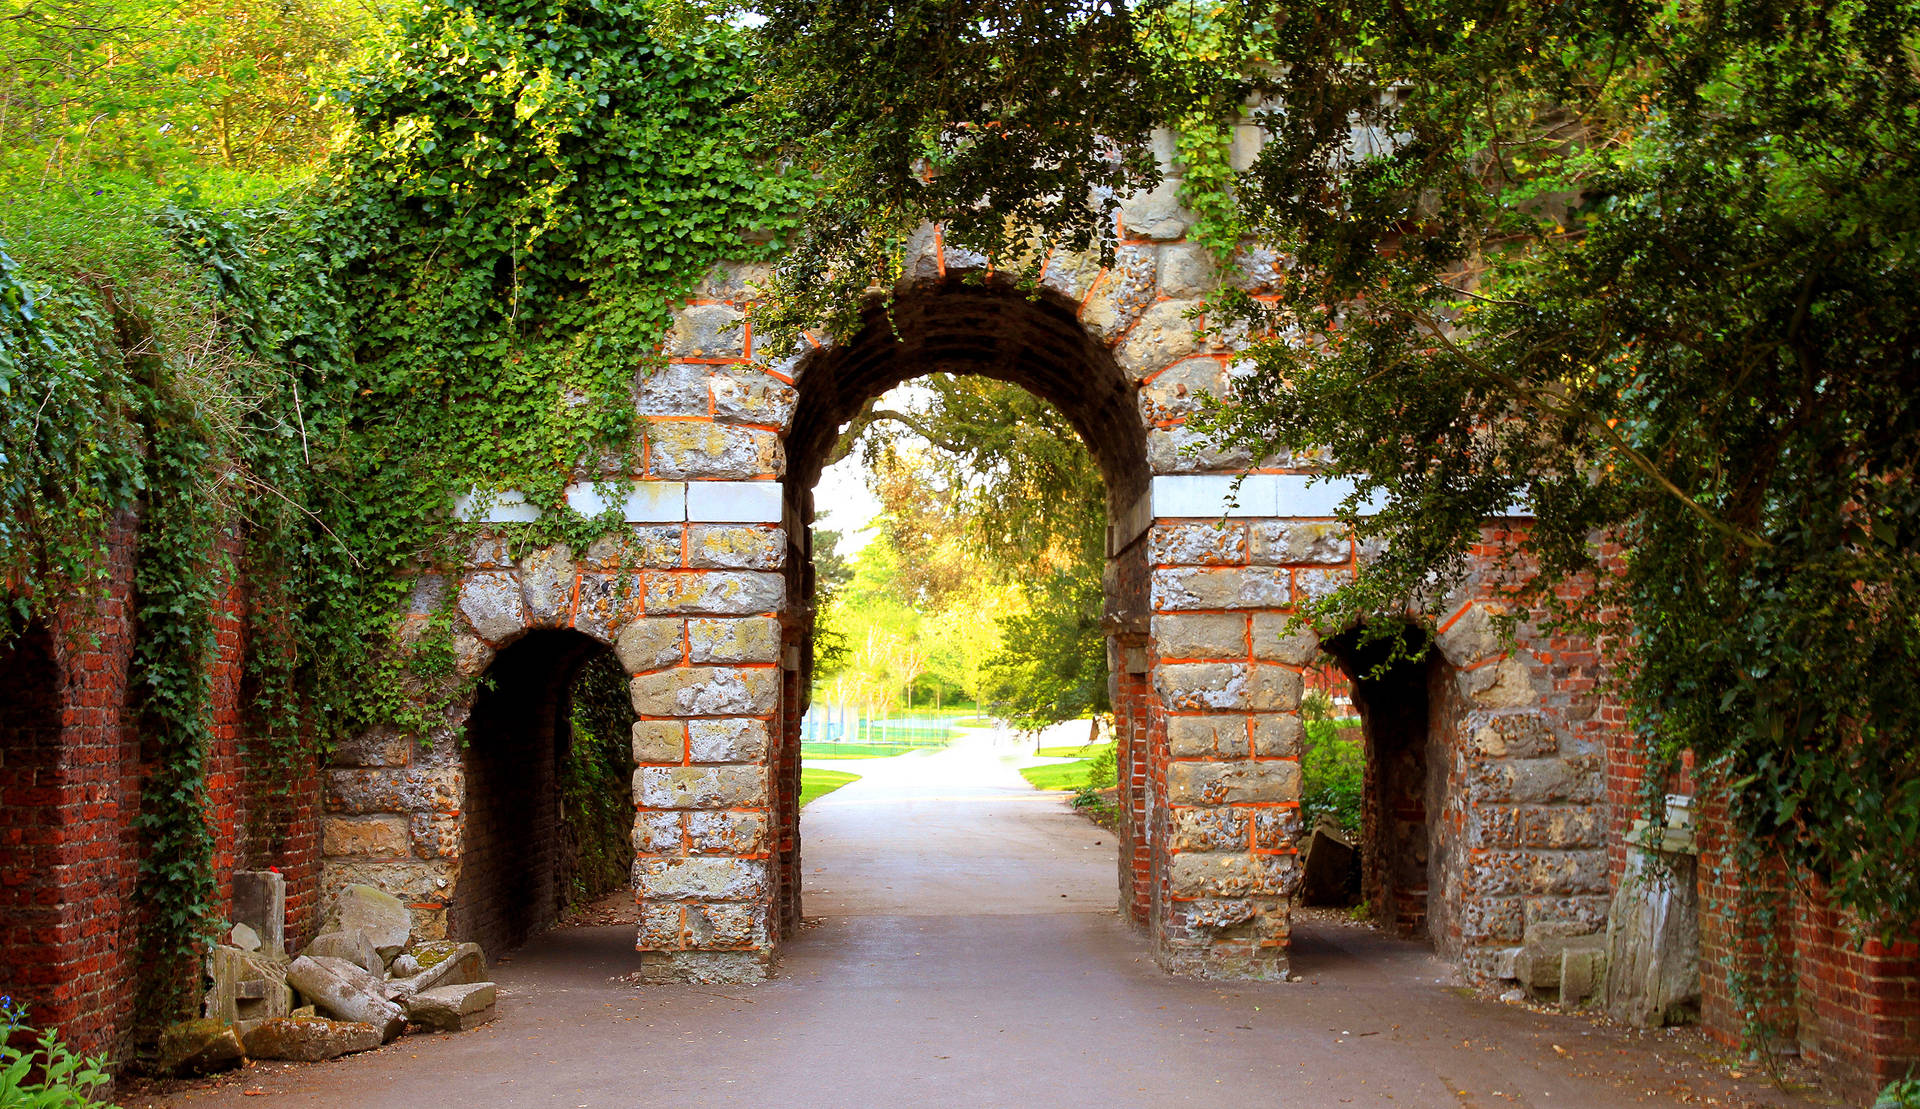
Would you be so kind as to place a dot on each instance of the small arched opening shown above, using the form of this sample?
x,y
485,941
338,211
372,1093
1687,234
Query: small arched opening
x,y
548,815
1390,675
30,894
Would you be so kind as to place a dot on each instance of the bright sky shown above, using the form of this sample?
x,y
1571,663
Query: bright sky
x,y
842,501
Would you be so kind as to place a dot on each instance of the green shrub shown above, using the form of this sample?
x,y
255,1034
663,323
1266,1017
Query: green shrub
x,y
48,1076
1332,773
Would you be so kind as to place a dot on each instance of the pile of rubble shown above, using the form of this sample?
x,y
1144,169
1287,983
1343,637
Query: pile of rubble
x,y
361,982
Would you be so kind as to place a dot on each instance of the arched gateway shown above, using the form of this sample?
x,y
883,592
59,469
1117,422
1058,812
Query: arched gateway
x,y
704,597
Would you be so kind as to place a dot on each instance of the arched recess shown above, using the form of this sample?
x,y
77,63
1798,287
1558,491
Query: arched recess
x,y
1397,686
520,843
1035,341
30,832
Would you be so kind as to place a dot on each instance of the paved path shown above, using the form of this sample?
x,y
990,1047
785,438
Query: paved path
x,y
966,953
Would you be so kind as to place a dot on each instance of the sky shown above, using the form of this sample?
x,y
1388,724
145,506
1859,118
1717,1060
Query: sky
x,y
841,500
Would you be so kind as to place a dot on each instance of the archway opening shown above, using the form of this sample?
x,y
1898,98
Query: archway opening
x,y
1388,675
549,803
1036,343
30,894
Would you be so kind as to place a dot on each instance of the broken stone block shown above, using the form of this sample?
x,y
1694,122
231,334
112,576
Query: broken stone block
x,y
1653,940
404,966
382,917
246,986
442,963
260,903
199,1047
452,1008
1542,957
346,991
1582,970
244,938
309,1039
353,946
1327,870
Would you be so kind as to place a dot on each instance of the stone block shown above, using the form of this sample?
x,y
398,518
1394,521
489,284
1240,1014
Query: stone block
x,y
681,449
702,787
1231,874
375,747
701,879
1222,636
754,398
346,992
656,833
733,740
642,546
1210,829
435,835
246,985
430,785
1188,270
727,833
1538,781
708,331
736,281
353,947
723,926
706,691
1183,450
379,836
1210,544
1156,214
1311,585
1174,393
260,903
606,602
752,639
1276,639
660,927
714,592
1515,735
1202,686
734,502
1275,828
1070,273
1165,333
1117,299
1277,735
452,1008
546,584
1470,638
1190,737
680,389
309,1039
374,913
1561,828
659,741
650,643
1273,689
417,881
1301,543
736,547
1219,783
1501,685
193,1047
491,602
1235,588
1259,270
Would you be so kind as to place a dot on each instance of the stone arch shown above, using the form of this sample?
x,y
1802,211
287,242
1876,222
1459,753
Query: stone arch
x,y
513,871
1033,339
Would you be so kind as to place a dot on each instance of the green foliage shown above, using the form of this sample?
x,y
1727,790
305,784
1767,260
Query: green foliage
x,y
47,1075
596,779
1646,270
1052,664
1333,767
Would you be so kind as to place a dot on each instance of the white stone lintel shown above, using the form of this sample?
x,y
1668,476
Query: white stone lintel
x,y
1211,496
643,502
735,502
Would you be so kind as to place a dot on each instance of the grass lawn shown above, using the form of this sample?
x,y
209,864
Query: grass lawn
x,y
1074,750
1058,775
859,750
819,783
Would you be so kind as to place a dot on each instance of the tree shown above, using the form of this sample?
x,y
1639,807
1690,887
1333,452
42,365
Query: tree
x,y
1647,268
